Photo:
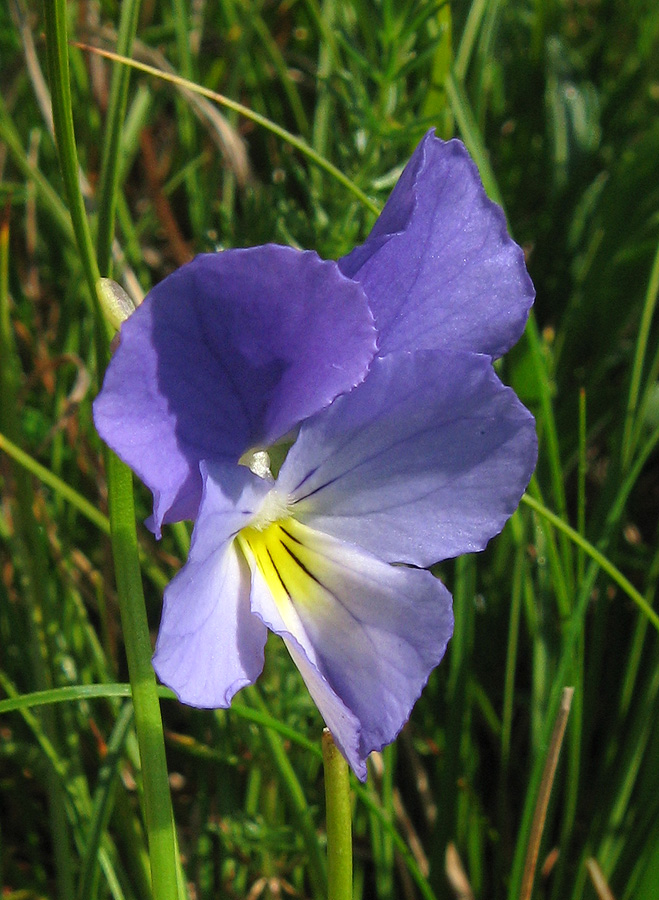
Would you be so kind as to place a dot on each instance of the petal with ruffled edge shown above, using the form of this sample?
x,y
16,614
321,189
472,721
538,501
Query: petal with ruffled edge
x,y
425,460
364,634
229,352
439,267
209,643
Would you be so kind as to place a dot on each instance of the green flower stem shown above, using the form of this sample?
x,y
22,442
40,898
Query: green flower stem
x,y
159,817
339,821
158,809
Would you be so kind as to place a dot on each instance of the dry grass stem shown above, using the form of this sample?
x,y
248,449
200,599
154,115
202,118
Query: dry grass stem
x,y
540,813
456,874
602,889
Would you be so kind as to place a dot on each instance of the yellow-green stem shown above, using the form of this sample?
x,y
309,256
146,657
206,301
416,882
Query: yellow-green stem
x,y
339,821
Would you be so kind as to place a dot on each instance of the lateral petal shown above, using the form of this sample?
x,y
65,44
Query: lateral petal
x,y
439,268
209,643
229,352
365,634
425,460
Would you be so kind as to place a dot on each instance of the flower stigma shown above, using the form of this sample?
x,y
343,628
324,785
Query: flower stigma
x,y
258,462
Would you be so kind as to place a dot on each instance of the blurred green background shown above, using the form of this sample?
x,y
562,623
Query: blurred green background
x,y
558,102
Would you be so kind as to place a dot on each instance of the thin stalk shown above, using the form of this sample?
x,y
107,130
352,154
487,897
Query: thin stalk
x,y
339,821
650,384
557,562
380,786
550,437
576,737
158,810
602,889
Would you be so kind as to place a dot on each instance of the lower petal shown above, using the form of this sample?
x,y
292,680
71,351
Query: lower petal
x,y
365,634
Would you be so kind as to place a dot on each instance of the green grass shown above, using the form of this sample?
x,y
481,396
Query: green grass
x,y
558,104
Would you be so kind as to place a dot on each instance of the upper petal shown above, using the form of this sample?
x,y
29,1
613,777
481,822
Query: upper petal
x,y
439,267
364,634
209,643
425,460
230,351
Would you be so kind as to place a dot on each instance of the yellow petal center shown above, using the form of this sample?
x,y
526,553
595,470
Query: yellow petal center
x,y
287,565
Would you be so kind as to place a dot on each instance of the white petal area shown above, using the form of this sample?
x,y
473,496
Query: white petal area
x,y
364,634
210,644
425,460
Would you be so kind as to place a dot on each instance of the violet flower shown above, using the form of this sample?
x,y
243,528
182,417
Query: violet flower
x,y
409,450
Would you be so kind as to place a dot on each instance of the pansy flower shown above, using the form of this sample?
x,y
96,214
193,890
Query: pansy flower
x,y
407,449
